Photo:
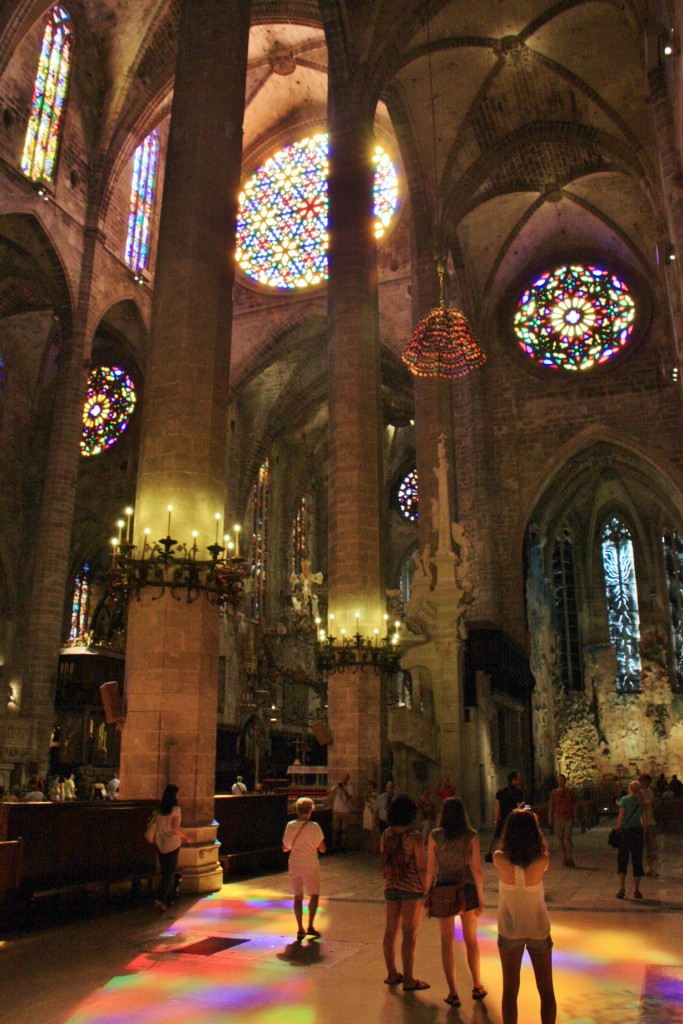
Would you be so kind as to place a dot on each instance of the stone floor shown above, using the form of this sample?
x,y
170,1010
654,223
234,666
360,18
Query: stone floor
x,y
614,962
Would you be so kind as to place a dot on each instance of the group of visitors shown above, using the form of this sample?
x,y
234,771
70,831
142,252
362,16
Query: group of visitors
x,y
61,788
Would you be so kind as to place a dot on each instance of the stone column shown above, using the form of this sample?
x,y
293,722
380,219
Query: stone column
x,y
356,713
671,171
172,649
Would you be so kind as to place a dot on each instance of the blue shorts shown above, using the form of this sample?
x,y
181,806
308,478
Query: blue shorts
x,y
393,895
533,945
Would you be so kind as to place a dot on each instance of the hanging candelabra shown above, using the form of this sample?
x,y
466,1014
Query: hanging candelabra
x,y
359,653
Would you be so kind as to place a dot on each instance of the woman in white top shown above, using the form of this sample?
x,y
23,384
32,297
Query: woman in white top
x,y
303,841
168,838
523,920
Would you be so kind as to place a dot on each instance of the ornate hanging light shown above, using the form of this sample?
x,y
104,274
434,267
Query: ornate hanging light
x,y
443,344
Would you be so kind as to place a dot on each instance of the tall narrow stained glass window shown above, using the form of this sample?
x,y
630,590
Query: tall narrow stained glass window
x,y
622,603
141,202
672,545
79,606
407,496
299,537
259,540
567,612
42,135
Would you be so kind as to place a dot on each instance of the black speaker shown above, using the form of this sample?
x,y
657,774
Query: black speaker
x,y
111,701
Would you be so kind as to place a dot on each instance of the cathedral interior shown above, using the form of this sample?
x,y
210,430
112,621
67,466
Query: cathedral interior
x,y
265,269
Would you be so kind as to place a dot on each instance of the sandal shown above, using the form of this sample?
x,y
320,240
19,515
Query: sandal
x,y
637,895
394,981
479,992
453,1000
621,895
313,932
300,935
417,986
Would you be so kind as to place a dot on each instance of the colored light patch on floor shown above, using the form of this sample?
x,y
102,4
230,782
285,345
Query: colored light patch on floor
x,y
662,996
178,993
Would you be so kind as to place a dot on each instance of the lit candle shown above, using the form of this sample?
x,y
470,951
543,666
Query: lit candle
x,y
114,544
170,509
194,540
237,529
397,626
218,522
376,632
357,622
386,623
120,526
129,527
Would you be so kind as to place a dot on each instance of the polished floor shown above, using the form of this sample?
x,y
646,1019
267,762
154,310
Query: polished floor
x,y
614,962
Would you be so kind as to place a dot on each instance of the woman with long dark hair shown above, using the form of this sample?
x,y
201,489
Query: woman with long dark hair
x,y
523,920
403,865
455,886
169,836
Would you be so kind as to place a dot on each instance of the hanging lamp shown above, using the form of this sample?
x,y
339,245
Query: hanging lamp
x,y
443,344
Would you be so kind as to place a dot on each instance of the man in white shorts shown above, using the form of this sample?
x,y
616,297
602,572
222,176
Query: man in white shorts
x,y
303,841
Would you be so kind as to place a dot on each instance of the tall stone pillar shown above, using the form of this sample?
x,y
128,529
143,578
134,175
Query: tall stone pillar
x,y
172,648
356,712
671,170
52,542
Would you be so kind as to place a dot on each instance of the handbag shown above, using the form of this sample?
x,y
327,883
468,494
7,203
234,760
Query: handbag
x,y
614,838
151,830
445,900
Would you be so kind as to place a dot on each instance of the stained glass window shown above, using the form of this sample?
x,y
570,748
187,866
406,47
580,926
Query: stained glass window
x,y
673,561
259,536
282,219
141,200
79,606
622,603
567,612
407,496
574,318
299,538
49,91
109,404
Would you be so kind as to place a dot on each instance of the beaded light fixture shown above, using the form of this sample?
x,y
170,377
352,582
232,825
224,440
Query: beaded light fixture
x,y
443,344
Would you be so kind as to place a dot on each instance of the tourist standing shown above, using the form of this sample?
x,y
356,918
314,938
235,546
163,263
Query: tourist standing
x,y
455,886
561,818
508,799
403,862
303,840
341,809
370,818
113,787
238,787
382,805
632,818
523,921
169,836
69,787
427,812
650,826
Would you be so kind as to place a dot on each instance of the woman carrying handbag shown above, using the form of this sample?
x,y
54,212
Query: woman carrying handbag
x,y
630,823
455,886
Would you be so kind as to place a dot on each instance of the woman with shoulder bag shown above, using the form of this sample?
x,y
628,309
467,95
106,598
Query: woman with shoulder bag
x,y
168,838
455,886
403,865
630,823
303,841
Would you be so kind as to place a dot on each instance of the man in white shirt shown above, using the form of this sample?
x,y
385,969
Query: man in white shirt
x,y
341,809
239,789
113,787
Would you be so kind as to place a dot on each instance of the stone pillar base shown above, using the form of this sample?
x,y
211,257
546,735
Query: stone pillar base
x,y
198,865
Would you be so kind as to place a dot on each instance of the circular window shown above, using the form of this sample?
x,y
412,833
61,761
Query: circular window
x,y
406,496
282,218
109,403
574,318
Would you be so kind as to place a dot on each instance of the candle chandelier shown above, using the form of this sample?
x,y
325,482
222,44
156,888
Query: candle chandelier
x,y
359,653
168,564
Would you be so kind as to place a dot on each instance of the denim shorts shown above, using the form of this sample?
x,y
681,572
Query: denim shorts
x,y
533,945
393,895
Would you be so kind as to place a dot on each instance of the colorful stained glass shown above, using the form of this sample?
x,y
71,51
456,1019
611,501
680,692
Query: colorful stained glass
x,y
259,540
672,544
299,537
42,134
282,234
108,407
574,317
407,496
141,201
79,606
622,603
